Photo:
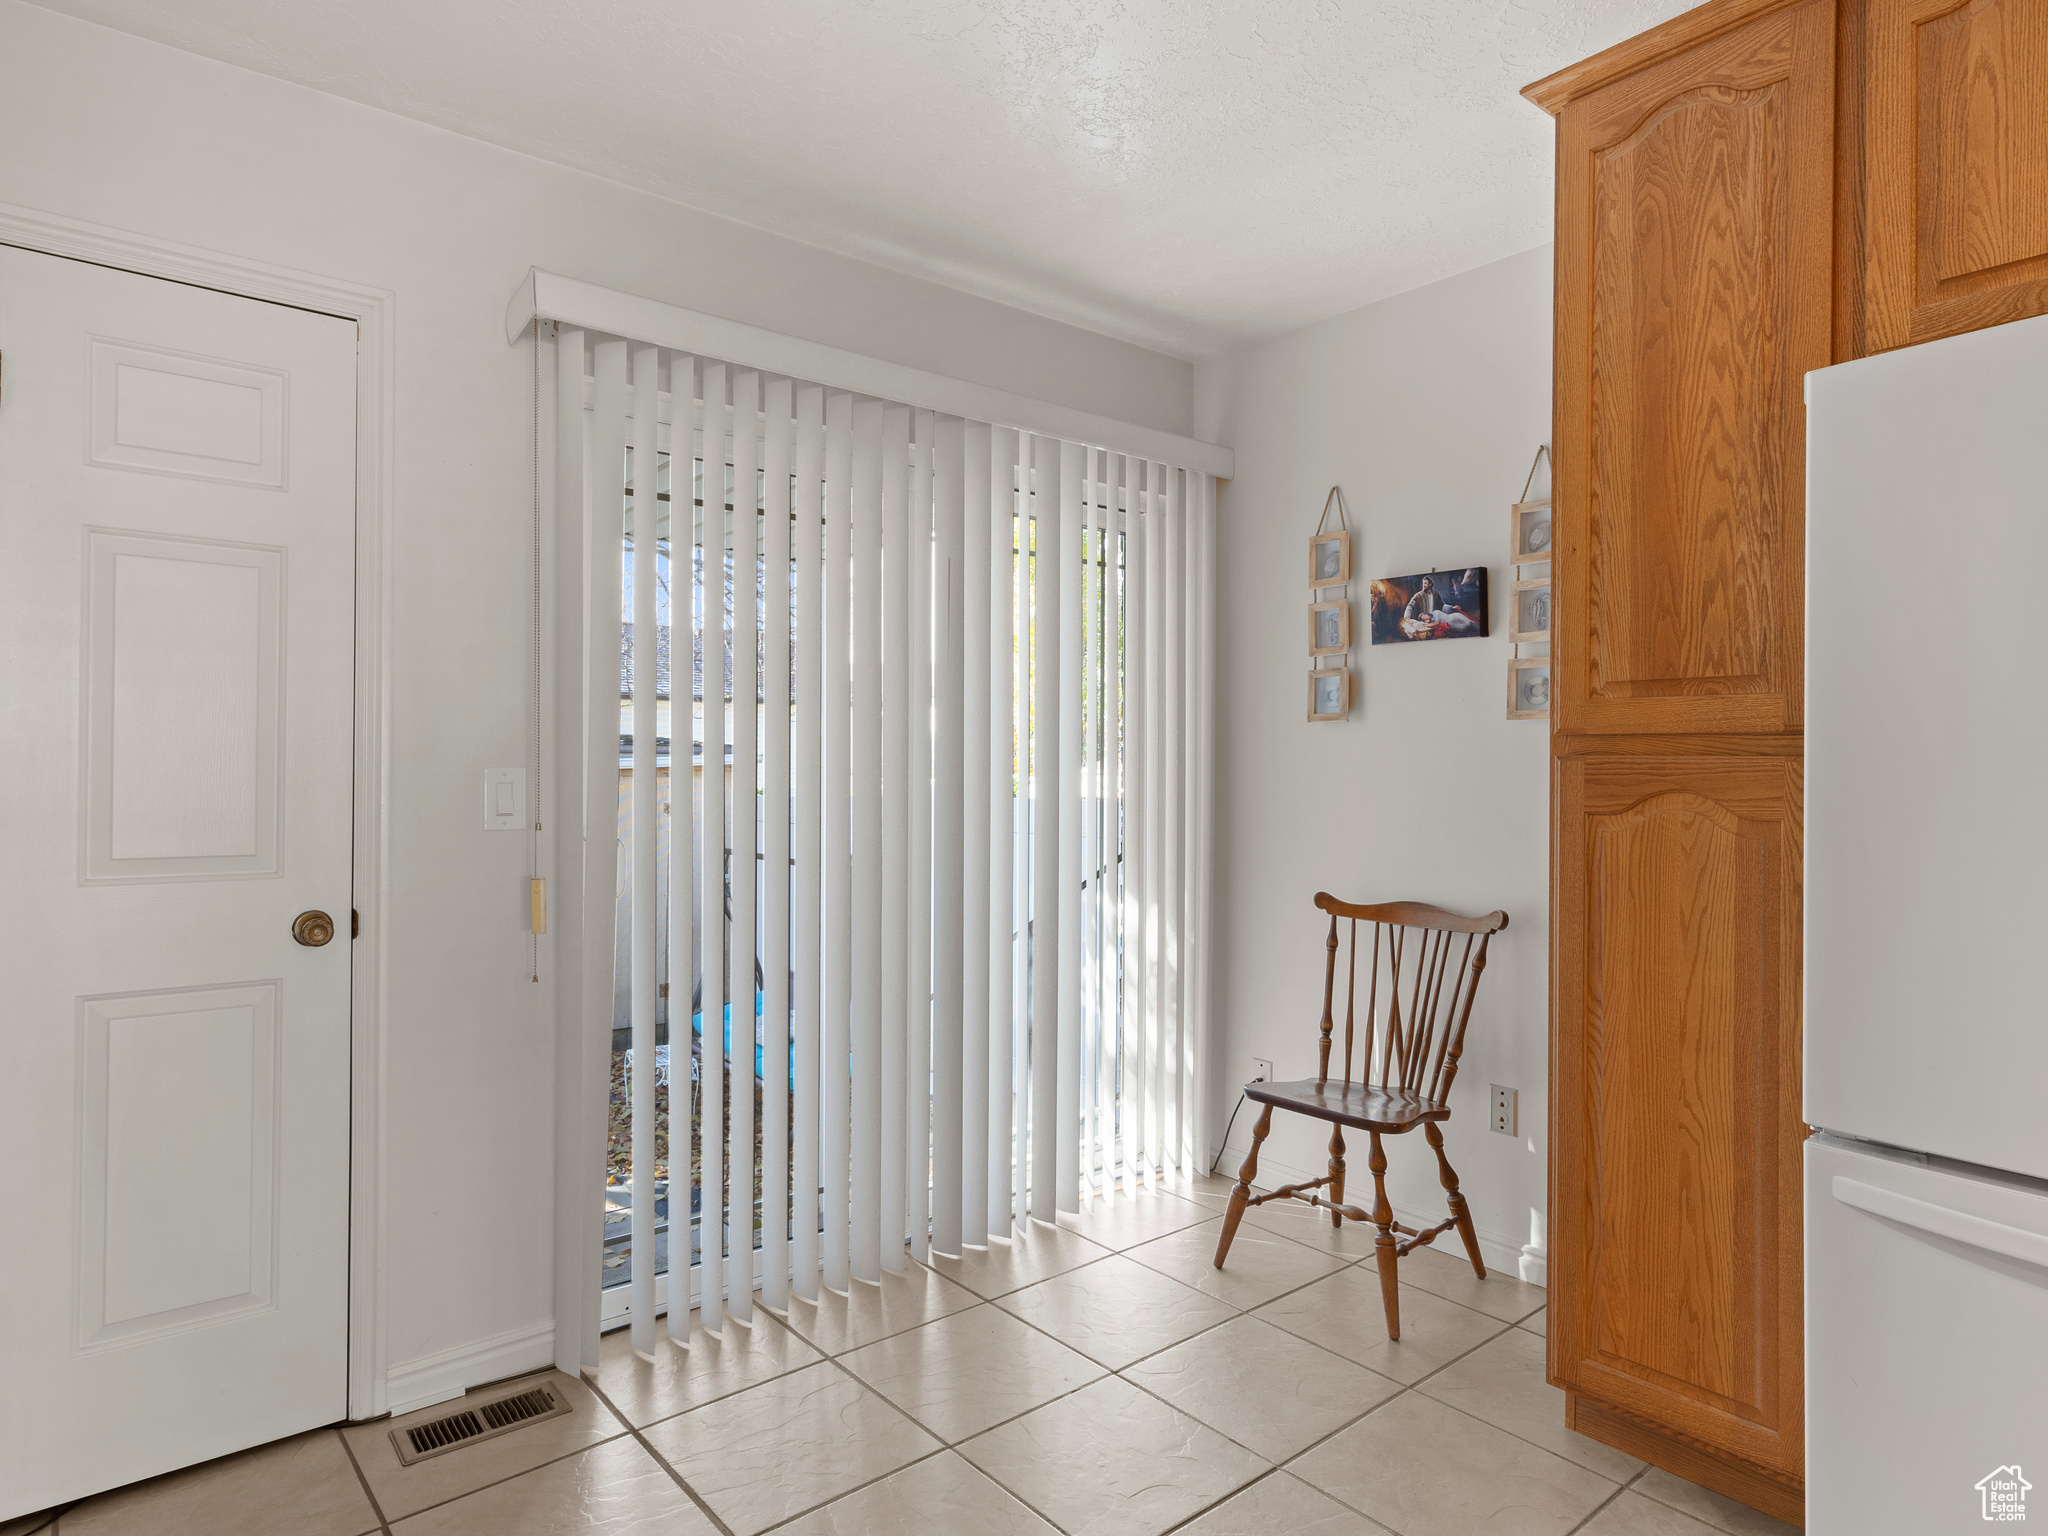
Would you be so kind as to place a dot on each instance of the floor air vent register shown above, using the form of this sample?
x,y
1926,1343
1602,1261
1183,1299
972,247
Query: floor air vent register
x,y
467,1426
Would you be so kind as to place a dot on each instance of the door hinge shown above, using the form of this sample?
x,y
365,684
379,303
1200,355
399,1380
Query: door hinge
x,y
355,923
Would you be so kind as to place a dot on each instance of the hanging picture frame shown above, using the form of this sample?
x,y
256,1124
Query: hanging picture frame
x,y
1329,558
1531,531
1329,628
1529,688
1529,611
1329,694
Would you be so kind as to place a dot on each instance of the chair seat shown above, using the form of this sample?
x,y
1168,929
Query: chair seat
x,y
1367,1107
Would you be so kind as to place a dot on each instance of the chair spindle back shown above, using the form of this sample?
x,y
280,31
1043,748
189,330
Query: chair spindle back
x,y
1437,957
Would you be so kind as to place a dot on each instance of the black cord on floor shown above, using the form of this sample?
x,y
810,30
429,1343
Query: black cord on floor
x,y
1226,1135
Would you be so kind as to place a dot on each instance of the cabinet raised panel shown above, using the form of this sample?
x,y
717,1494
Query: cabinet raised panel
x,y
1954,231
1675,1230
1693,271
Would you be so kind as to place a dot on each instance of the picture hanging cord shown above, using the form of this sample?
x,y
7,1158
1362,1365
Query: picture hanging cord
x,y
1542,453
1343,520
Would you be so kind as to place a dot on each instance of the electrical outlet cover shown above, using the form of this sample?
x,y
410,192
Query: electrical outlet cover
x,y
1504,1116
1262,1070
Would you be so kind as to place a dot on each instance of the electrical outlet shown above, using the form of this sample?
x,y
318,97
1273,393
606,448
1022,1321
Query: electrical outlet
x,y
1504,1110
1262,1070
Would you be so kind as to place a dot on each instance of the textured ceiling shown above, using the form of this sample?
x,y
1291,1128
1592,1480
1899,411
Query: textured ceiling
x,y
1186,176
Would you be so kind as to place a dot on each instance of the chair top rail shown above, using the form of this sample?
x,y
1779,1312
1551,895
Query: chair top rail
x,y
1411,914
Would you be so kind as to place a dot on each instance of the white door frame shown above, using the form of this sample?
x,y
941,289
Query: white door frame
x,y
374,310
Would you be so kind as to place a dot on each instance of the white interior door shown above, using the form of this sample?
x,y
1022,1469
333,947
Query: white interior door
x,y
177,567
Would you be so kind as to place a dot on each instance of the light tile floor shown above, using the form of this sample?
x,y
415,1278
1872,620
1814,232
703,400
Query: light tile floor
x,y
1097,1377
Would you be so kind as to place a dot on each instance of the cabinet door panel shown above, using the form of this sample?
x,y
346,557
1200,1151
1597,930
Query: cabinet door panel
x,y
1694,226
1676,1210
1955,131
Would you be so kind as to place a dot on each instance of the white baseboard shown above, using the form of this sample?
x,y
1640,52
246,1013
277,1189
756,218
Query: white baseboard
x,y
436,1378
1502,1253
1535,1265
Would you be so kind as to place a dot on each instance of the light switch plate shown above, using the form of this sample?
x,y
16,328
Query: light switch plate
x,y
504,799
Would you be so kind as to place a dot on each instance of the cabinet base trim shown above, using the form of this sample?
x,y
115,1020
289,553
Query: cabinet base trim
x,y
1736,1480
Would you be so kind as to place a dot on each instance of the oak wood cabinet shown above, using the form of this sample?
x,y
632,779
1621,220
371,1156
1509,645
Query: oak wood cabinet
x,y
1675,1209
1948,186
1753,190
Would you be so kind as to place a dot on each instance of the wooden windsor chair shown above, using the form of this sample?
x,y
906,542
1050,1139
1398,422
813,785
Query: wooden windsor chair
x,y
1416,1066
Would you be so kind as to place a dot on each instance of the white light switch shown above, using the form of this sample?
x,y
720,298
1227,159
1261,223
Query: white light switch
x,y
504,799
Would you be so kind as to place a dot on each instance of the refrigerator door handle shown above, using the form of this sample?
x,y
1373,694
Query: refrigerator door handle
x,y
1960,1226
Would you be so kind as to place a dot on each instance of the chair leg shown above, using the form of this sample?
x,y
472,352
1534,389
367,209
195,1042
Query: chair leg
x,y
1383,1246
1336,1173
1241,1196
1460,1212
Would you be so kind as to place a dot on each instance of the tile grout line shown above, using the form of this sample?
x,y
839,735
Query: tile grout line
x,y
1117,1374
1237,1311
376,1506
660,1460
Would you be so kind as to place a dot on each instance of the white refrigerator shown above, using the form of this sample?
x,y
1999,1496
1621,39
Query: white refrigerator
x,y
1926,1015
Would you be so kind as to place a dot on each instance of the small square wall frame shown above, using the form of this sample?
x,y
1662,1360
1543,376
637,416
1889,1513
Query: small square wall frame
x,y
1329,628
1329,694
1329,559
1529,688
1529,531
1529,611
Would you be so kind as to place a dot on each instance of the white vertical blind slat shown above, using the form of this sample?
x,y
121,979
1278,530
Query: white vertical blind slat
x,y
776,604
1070,748
1170,787
917,1134
746,810
1089,1054
1007,759
646,364
1201,819
977,689
583,993
1102,876
1048,719
868,961
1020,803
711,940
1123,513
1159,749
806,755
948,1163
1137,650
681,872
836,802
898,603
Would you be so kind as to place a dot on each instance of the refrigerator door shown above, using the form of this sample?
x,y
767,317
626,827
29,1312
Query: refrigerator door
x,y
1926,1344
1926,967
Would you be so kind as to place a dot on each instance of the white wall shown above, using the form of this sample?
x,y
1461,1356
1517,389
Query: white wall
x,y
101,126
1427,409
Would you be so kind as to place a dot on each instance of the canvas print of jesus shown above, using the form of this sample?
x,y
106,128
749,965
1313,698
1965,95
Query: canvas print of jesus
x,y
1438,605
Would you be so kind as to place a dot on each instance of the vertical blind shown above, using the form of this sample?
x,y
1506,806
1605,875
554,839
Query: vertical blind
x,y
910,773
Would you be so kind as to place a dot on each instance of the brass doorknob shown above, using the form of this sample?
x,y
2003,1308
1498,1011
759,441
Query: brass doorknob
x,y
313,929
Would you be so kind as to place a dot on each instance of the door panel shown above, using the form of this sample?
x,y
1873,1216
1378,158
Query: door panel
x,y
1955,164
183,666
177,535
1675,1217
1693,280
